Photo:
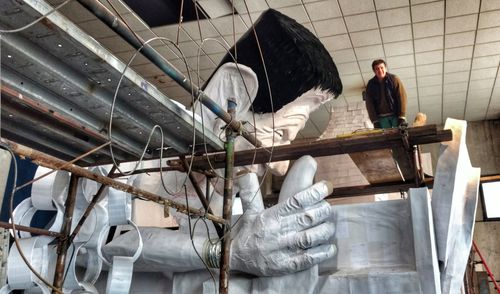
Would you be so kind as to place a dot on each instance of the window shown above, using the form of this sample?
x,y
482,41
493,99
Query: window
x,y
490,197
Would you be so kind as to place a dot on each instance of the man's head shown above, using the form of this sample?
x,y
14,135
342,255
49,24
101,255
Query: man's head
x,y
287,59
379,68
298,75
272,129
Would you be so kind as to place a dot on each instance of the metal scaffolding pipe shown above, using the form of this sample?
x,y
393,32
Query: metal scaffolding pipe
x,y
55,163
228,203
136,41
388,139
63,241
32,230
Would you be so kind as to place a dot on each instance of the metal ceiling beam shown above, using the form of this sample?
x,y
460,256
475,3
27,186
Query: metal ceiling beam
x,y
52,64
29,94
47,131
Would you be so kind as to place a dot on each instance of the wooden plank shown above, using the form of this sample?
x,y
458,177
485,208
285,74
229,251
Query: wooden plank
x,y
389,139
377,166
376,189
405,162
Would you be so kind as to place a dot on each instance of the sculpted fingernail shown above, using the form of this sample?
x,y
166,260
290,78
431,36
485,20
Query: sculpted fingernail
x,y
333,250
329,186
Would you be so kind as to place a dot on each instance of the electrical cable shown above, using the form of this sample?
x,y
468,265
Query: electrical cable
x,y
272,112
187,67
253,116
180,21
153,32
110,142
161,149
191,236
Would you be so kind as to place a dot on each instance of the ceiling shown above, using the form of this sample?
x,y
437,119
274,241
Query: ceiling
x,y
447,53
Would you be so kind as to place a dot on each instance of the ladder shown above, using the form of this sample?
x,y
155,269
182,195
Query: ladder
x,y
490,274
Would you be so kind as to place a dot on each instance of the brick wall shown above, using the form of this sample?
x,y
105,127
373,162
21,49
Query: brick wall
x,y
340,169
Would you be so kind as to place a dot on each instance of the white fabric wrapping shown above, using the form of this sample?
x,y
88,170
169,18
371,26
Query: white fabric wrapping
x,y
53,186
120,275
121,267
39,255
119,207
23,214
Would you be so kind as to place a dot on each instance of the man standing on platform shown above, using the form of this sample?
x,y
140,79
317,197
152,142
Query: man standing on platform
x,y
385,98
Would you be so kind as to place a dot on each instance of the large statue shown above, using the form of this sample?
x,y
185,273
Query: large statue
x,y
295,234
300,245
275,100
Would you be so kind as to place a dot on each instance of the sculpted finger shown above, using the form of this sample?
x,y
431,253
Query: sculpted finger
x,y
312,256
304,199
251,197
312,237
311,217
299,177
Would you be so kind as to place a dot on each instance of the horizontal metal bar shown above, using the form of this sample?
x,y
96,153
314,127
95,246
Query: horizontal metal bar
x,y
32,230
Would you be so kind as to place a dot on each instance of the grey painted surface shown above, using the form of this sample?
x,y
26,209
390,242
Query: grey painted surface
x,y
483,144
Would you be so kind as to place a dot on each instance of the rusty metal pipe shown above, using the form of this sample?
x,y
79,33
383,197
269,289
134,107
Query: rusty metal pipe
x,y
32,230
228,203
327,147
63,242
51,162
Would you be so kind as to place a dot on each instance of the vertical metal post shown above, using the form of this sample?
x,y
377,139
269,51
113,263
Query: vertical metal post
x,y
416,166
419,152
228,202
63,242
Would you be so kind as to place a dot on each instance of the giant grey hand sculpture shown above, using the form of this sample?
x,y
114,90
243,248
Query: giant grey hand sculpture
x,y
288,237
291,236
